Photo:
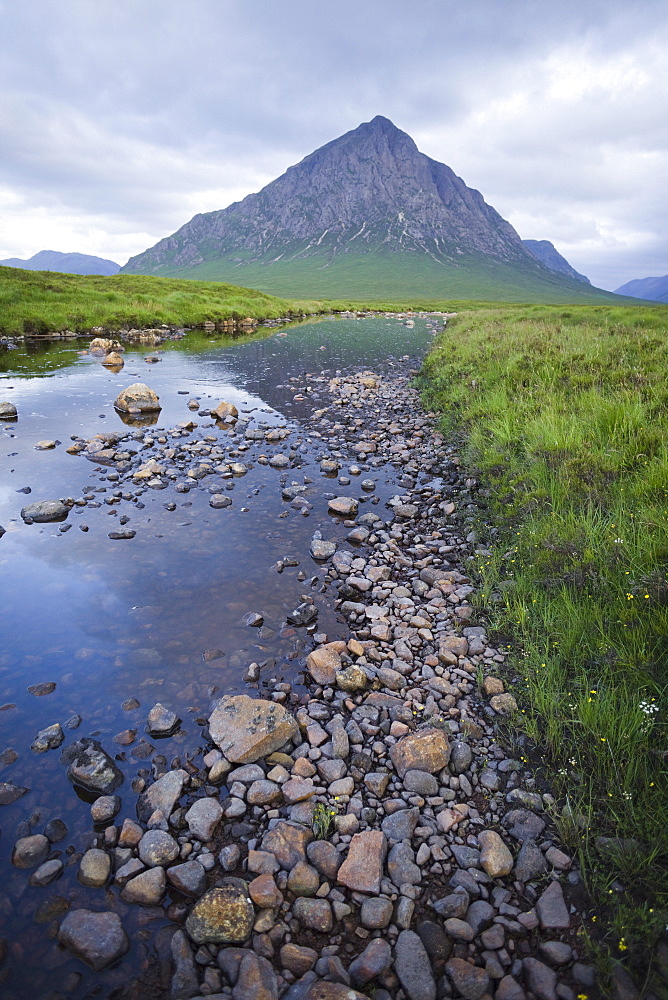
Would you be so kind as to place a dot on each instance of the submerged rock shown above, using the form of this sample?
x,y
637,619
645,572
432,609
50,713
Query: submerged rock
x,y
98,939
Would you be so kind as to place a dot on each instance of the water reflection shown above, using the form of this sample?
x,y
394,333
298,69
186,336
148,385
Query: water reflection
x,y
159,616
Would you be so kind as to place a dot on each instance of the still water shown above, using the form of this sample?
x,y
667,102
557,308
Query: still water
x,y
159,617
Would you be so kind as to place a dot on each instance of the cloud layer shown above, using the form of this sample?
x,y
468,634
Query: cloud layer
x,y
119,121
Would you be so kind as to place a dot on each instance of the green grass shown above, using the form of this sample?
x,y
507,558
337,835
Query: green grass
x,y
44,301
564,412
408,276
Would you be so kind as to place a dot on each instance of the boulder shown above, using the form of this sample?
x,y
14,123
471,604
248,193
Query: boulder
x,y
227,412
413,967
98,939
137,398
30,851
424,750
343,506
223,915
203,818
495,857
147,888
162,721
8,411
323,664
246,729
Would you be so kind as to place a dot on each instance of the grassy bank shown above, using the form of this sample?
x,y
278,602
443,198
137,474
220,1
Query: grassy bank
x,y
564,412
43,301
40,302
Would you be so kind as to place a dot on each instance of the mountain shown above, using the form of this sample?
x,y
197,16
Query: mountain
x,y
655,289
66,263
365,216
547,254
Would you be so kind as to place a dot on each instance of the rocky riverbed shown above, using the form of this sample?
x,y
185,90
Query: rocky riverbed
x,y
364,832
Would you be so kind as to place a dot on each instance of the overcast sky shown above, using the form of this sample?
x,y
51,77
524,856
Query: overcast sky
x,y
120,120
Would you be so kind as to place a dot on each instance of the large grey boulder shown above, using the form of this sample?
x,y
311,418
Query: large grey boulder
x,y
137,398
43,511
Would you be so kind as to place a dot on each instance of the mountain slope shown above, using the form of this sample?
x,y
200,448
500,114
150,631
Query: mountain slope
x,y
654,289
66,263
547,254
365,215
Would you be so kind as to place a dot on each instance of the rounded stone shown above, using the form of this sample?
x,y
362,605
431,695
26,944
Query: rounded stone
x,y
137,398
30,851
47,872
45,510
147,888
189,878
223,915
376,913
203,818
157,848
264,793
469,980
314,914
105,808
8,411
94,868
303,880
495,857
98,939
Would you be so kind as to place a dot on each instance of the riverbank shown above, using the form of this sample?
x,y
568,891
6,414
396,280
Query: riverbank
x,y
391,840
563,414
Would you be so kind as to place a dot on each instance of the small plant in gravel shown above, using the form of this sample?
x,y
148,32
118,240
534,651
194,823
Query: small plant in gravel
x,y
323,819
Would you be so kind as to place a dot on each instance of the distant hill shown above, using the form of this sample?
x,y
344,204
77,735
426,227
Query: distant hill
x,y
66,263
547,254
365,216
655,289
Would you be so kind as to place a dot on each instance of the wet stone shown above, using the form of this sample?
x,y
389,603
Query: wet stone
x,y
162,721
105,808
147,888
30,851
91,767
162,795
44,511
10,793
95,868
188,878
48,739
46,873
98,939
157,848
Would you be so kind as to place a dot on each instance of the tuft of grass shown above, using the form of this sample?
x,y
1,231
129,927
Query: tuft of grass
x,y
564,412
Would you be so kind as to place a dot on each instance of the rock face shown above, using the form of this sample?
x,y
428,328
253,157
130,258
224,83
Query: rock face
x,y
374,192
43,511
98,939
247,729
137,398
221,916
91,767
547,254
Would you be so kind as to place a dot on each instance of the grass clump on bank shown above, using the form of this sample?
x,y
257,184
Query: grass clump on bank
x,y
39,302
564,412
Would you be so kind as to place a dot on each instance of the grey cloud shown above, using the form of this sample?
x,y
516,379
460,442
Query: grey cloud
x,y
145,111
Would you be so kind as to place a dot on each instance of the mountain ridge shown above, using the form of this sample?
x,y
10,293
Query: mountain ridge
x,y
654,289
65,263
547,254
365,214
